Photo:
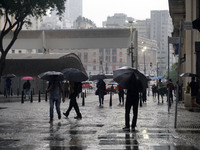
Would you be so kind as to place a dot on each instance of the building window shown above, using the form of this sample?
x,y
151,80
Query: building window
x,y
120,53
79,54
85,67
85,57
120,60
94,67
114,58
94,60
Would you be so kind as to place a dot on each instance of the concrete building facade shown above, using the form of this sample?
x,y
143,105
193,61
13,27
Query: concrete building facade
x,y
187,11
160,28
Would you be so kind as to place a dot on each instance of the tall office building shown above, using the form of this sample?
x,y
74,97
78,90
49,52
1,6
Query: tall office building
x,y
73,9
160,28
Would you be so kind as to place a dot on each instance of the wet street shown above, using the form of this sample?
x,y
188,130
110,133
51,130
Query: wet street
x,y
25,126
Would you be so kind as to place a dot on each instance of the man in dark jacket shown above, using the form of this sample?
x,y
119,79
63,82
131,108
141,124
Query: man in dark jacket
x,y
132,99
74,90
194,92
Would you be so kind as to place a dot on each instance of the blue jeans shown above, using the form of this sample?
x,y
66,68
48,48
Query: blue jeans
x,y
101,98
27,92
57,102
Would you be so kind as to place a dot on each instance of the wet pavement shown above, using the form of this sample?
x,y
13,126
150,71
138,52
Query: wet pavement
x,y
25,126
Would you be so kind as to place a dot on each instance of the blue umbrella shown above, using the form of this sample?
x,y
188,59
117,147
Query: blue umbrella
x,y
157,78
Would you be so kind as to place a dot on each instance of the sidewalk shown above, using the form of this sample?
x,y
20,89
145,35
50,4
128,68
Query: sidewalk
x,y
25,126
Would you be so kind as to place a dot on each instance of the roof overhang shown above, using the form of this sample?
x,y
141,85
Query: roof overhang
x,y
34,64
177,12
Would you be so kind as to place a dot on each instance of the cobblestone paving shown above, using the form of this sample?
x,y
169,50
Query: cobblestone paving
x,y
25,126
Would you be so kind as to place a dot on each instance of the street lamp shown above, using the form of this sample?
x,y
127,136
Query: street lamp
x,y
131,48
143,50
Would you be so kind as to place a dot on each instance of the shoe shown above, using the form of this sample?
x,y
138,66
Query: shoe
x,y
59,116
78,117
126,129
133,129
51,121
65,115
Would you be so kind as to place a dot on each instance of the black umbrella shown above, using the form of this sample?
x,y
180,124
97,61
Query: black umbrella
x,y
188,75
123,75
52,75
97,77
75,75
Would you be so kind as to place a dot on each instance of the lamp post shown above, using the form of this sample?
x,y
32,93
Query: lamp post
x,y
131,48
143,50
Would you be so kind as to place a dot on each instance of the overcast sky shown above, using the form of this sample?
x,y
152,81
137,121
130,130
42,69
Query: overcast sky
x,y
99,10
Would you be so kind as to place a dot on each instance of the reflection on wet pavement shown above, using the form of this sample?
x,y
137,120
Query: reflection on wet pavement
x,y
26,127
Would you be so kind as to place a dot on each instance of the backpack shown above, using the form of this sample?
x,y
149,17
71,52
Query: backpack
x,y
78,87
171,86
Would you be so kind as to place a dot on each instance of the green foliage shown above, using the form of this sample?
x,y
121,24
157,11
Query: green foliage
x,y
16,13
173,74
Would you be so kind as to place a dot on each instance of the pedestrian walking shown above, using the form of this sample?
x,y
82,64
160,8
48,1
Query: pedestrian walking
x,y
8,86
195,89
56,92
101,90
66,89
26,87
187,88
120,91
170,90
154,90
132,100
74,89
161,90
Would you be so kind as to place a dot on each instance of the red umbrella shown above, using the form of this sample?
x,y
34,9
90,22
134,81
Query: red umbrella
x,y
27,78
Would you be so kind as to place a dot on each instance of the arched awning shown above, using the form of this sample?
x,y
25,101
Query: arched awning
x,y
34,64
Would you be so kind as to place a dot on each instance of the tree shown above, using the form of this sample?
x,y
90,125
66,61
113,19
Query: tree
x,y
173,74
16,13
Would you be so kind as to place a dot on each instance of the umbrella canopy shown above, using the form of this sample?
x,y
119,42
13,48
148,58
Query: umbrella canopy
x,y
188,75
75,75
9,75
157,78
123,75
27,78
52,75
97,77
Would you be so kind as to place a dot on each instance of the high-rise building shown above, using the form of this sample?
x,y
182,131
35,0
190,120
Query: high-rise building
x,y
73,9
160,28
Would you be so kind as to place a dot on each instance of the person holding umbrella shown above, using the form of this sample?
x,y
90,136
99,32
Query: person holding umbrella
x,y
56,91
74,89
132,100
101,88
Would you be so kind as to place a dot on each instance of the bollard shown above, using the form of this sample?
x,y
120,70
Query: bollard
x,y
4,91
83,99
31,97
46,96
85,93
39,98
22,98
110,98
17,91
11,92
